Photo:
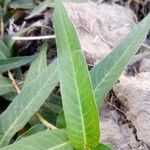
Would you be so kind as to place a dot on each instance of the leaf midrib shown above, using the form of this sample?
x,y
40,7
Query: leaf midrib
x,y
59,146
80,108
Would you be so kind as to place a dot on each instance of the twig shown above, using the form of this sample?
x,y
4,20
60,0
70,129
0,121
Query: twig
x,y
1,26
116,107
146,46
46,123
13,82
34,38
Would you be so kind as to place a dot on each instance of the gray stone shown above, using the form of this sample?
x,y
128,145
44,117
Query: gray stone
x,y
98,34
134,93
120,137
145,65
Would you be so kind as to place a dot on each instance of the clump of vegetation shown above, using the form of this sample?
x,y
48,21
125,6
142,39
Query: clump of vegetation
x,y
74,124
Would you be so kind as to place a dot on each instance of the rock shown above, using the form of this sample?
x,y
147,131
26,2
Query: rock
x,y
120,137
140,63
145,65
134,93
99,34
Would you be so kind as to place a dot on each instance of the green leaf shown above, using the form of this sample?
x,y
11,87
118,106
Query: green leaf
x,y
33,130
1,11
5,85
15,62
106,73
30,99
4,3
51,108
54,103
76,88
46,140
10,96
22,4
4,51
38,65
61,122
102,147
39,9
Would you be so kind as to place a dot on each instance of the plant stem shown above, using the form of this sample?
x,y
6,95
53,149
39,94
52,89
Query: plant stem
x,y
1,27
46,123
34,38
13,82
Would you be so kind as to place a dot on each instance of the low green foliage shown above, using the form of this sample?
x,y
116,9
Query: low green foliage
x,y
76,88
38,104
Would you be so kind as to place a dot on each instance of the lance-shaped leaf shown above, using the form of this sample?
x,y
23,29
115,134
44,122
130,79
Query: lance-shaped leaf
x,y
22,4
33,130
5,85
46,140
30,99
107,72
15,62
38,65
77,95
4,51
39,9
11,95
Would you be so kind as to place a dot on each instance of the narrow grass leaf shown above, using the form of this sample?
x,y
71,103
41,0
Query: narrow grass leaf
x,y
76,88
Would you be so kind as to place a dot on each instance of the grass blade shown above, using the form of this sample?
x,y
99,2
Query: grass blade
x,y
76,89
